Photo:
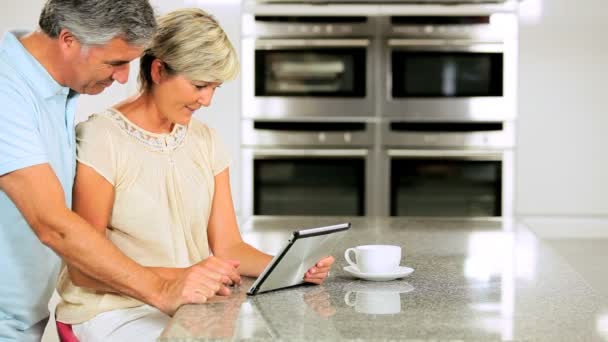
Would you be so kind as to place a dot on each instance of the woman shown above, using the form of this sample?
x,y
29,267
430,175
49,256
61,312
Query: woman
x,y
156,183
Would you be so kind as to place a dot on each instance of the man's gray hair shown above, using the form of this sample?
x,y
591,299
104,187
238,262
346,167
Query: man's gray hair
x,y
96,22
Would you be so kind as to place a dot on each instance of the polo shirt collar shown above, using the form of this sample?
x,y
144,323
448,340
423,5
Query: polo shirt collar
x,y
31,69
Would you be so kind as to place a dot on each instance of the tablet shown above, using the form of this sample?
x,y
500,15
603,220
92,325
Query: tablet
x,y
303,250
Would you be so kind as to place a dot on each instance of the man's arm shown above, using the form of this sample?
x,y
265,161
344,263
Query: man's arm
x,y
93,200
37,193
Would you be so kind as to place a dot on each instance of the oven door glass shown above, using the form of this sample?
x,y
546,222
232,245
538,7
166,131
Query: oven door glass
x,y
446,74
437,187
327,72
308,186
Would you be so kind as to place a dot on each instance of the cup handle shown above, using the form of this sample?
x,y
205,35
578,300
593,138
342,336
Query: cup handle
x,y
347,299
347,256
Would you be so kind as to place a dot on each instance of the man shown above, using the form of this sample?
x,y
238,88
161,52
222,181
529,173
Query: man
x,y
81,48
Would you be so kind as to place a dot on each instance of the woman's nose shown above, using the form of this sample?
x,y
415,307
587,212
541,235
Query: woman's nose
x,y
205,98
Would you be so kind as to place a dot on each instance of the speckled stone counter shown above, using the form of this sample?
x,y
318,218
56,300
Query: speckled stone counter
x,y
474,280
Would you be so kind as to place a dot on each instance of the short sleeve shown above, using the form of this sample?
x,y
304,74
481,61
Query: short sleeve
x,y
220,158
21,144
94,147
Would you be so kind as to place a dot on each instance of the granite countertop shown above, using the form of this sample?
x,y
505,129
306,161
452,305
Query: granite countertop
x,y
474,279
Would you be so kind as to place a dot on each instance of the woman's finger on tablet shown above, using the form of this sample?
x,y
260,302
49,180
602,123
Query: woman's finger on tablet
x,y
316,278
313,280
324,269
327,261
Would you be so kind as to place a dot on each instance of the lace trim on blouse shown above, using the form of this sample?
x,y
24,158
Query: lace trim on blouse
x,y
156,142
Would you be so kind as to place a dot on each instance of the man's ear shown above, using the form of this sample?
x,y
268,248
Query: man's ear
x,y
68,43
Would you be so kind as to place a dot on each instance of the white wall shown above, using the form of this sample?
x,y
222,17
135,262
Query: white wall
x,y
562,167
224,113
24,15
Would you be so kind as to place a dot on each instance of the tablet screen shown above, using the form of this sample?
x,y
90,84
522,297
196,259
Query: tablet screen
x,y
301,252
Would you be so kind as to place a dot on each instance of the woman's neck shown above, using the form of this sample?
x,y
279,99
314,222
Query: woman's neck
x,y
143,111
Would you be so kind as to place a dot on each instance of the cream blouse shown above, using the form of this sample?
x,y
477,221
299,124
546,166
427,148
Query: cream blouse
x,y
163,186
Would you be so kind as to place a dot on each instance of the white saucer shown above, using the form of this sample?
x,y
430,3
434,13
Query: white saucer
x,y
400,272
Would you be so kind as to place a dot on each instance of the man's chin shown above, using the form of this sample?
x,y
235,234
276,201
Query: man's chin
x,y
94,91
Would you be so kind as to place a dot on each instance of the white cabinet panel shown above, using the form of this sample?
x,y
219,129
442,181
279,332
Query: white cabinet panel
x,y
563,109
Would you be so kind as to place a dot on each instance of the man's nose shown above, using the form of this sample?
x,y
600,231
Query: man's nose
x,y
121,73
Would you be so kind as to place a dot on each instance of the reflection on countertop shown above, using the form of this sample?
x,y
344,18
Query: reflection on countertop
x,y
474,279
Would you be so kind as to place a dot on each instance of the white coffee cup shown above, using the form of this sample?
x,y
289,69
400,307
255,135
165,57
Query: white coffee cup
x,y
374,303
374,258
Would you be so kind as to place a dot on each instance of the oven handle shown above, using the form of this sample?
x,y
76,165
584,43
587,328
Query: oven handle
x,y
269,44
448,154
439,45
312,153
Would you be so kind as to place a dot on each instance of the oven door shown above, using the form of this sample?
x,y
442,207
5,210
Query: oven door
x,y
305,181
308,77
446,183
448,80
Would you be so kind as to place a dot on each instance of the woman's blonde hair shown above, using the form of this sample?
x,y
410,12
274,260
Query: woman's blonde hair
x,y
190,42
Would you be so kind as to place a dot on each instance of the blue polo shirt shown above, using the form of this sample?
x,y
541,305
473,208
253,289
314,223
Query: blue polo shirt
x,y
36,127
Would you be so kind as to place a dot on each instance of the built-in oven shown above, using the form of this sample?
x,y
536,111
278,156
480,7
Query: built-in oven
x,y
307,66
307,168
448,169
450,67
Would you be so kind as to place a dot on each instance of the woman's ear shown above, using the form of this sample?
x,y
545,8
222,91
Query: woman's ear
x,y
157,69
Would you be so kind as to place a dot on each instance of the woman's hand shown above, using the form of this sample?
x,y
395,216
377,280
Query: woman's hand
x,y
319,272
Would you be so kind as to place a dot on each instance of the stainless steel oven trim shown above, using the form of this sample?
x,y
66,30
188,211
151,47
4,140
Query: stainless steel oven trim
x,y
402,2
500,139
309,153
501,26
249,154
326,28
445,45
376,7
252,136
252,27
270,44
480,155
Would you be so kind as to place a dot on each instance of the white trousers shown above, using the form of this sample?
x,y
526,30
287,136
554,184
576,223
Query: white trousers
x,y
143,323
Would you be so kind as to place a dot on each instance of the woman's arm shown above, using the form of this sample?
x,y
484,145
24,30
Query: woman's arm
x,y
224,237
226,242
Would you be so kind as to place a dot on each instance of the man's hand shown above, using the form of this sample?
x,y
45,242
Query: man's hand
x,y
198,283
319,272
